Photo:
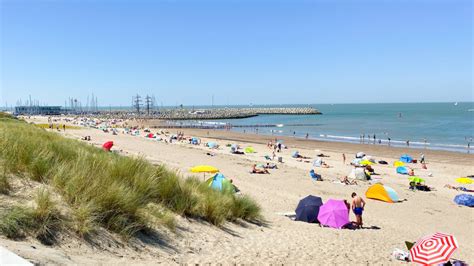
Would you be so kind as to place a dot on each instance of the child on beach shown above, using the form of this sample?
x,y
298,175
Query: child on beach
x,y
358,205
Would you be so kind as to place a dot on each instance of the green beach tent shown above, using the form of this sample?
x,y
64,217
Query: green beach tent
x,y
249,150
219,182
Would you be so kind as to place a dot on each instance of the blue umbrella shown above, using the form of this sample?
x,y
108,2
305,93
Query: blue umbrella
x,y
308,209
464,199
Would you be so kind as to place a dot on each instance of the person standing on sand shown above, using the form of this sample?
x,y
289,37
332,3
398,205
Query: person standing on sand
x,y
64,127
422,158
358,205
307,135
343,158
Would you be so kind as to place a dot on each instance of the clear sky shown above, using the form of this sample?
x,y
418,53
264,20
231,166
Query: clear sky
x,y
263,52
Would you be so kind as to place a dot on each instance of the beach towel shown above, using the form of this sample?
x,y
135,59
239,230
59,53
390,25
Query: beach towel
x,y
318,162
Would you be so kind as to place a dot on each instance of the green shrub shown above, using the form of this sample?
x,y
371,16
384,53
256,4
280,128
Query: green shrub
x,y
246,208
105,189
16,222
46,217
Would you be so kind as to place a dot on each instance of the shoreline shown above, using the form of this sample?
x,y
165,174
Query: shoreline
x,y
334,146
177,125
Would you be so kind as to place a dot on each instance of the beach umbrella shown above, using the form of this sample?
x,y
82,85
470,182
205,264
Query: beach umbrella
x,y
398,164
308,209
464,180
334,213
204,169
433,249
416,179
464,199
108,145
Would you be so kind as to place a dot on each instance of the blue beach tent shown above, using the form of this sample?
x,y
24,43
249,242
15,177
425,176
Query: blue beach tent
x,y
406,158
402,170
219,182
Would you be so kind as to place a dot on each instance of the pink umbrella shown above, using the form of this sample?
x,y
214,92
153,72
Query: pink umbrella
x,y
334,213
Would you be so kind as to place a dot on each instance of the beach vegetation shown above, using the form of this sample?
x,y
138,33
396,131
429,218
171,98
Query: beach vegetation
x,y
122,194
42,221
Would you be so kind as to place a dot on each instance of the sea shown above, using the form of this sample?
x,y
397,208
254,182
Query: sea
x,y
438,126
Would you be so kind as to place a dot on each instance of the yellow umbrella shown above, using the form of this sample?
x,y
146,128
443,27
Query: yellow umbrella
x,y
398,163
464,180
204,169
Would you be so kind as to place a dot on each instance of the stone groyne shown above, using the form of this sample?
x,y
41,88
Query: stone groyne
x,y
229,113
203,114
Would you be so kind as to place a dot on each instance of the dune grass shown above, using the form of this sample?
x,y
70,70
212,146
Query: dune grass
x,y
122,194
43,221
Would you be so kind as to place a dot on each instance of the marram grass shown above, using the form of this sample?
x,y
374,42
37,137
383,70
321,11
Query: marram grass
x,y
122,194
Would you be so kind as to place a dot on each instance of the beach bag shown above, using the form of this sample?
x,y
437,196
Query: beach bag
x,y
399,254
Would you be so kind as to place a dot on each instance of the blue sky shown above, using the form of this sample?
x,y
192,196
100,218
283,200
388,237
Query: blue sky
x,y
183,52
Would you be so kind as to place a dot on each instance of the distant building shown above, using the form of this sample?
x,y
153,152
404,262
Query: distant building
x,y
37,110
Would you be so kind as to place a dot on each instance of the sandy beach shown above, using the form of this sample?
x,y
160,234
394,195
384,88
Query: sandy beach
x,y
281,240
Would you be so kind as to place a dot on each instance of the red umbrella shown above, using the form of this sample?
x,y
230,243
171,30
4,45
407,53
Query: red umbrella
x,y
433,249
108,145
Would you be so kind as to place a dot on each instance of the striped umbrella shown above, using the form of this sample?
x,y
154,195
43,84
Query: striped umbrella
x,y
433,249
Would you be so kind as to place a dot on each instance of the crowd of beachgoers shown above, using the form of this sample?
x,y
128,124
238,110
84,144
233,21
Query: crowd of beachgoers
x,y
348,180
